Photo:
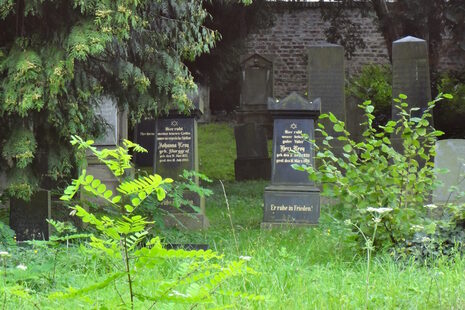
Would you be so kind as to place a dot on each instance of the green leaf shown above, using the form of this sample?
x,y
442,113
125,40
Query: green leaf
x,y
135,202
95,183
101,188
402,96
338,128
108,194
332,117
128,208
370,109
448,96
116,199
347,148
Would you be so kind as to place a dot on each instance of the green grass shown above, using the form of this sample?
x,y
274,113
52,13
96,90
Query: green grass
x,y
298,268
217,150
301,268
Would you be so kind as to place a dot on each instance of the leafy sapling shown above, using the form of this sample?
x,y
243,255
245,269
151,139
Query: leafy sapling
x,y
198,275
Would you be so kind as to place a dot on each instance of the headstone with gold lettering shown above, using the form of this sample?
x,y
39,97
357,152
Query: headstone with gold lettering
x,y
175,150
292,198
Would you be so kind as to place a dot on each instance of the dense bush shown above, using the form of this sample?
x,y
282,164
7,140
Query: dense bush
x,y
373,177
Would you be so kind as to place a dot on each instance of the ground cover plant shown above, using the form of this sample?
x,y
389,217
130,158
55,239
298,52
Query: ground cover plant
x,y
300,268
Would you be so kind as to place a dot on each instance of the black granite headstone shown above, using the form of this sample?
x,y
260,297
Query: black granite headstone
x,y
292,198
28,218
175,150
145,137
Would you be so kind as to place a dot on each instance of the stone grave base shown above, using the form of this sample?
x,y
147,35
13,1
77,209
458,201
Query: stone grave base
x,y
252,169
291,205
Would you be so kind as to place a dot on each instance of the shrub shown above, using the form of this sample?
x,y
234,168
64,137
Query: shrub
x,y
373,174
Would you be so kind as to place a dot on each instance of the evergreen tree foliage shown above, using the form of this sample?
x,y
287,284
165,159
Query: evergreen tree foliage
x,y
59,58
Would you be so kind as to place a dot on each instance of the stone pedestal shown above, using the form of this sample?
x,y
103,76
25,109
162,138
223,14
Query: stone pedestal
x,y
291,198
175,151
29,218
252,161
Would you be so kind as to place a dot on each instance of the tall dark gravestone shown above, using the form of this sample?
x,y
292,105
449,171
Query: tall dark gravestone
x,y
292,198
145,137
176,150
326,81
28,219
254,120
410,73
410,76
256,88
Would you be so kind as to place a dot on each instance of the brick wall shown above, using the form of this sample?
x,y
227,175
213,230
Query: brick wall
x,y
297,27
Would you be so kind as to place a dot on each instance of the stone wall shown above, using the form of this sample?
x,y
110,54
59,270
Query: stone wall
x,y
298,26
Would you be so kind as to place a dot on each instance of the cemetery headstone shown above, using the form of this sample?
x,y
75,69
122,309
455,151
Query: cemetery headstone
x,y
175,148
410,76
252,160
292,198
29,218
116,131
410,73
326,81
145,137
450,155
256,88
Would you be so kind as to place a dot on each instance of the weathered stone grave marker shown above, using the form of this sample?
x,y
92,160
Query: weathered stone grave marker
x,y
450,154
410,76
410,73
292,198
254,120
175,151
28,218
116,131
256,88
326,81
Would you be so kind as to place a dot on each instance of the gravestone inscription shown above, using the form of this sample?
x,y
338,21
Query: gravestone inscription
x,y
292,198
29,218
175,151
